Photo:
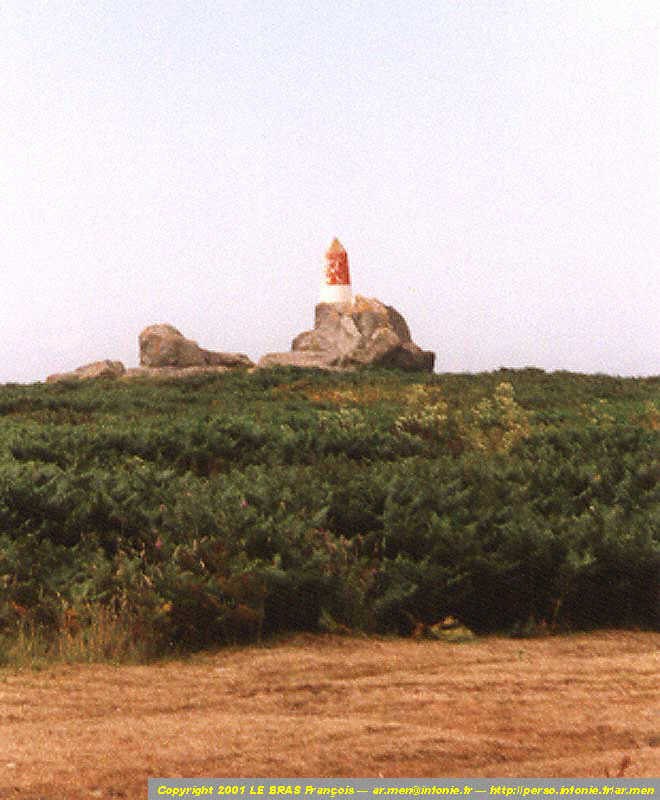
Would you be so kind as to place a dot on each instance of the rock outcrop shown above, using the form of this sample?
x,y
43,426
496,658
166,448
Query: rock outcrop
x,y
171,373
164,354
97,369
165,346
347,335
299,359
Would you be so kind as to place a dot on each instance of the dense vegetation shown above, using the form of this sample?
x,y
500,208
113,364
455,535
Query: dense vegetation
x,y
180,515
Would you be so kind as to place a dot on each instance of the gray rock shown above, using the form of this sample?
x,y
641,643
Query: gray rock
x,y
171,373
165,346
97,369
300,358
347,335
227,360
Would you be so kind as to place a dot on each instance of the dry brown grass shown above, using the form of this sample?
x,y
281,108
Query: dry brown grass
x,y
100,636
317,706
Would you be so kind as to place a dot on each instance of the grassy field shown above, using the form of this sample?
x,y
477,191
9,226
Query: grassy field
x,y
147,519
582,705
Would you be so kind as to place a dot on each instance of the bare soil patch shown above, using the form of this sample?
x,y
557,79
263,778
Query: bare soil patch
x,y
328,706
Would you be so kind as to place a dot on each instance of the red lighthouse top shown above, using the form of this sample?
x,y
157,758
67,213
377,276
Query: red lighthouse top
x,y
336,265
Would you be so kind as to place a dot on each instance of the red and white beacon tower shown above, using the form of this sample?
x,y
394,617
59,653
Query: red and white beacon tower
x,y
336,285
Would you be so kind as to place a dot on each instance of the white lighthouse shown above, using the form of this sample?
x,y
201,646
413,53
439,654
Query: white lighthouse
x,y
336,284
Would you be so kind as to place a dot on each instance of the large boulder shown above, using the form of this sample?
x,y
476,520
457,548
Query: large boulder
x,y
97,369
347,335
165,346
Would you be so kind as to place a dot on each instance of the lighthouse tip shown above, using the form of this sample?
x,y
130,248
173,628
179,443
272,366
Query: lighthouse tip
x,y
336,246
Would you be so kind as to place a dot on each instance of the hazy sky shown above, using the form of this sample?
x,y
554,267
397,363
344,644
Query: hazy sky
x,y
492,169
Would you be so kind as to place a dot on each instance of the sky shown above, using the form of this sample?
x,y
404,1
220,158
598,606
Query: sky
x,y
492,168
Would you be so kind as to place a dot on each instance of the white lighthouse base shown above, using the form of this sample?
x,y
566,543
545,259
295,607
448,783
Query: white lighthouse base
x,y
336,293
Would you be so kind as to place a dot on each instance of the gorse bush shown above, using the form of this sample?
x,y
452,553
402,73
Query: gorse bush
x,y
223,509
499,423
490,426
